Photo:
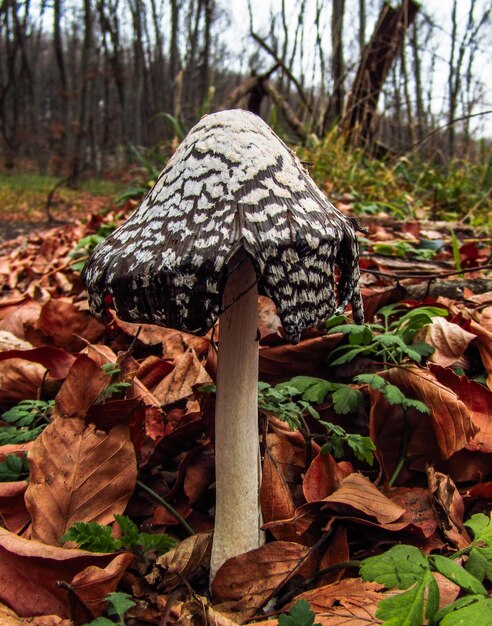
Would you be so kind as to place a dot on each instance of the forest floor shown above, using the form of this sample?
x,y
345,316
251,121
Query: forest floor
x,y
391,454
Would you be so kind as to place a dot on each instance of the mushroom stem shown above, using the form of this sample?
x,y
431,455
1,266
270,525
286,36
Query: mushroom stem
x,y
237,452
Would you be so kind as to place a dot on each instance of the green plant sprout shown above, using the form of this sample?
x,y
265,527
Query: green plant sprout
x,y
391,341
28,418
118,605
95,537
87,244
300,614
115,387
14,468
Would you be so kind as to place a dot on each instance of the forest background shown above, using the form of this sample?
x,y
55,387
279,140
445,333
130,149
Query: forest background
x,y
87,87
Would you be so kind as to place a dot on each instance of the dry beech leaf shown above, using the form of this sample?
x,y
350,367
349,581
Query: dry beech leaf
x,y
56,360
35,568
276,500
418,505
78,473
477,399
19,380
449,340
13,510
8,341
245,583
451,420
93,584
83,384
66,324
196,611
337,552
323,477
187,561
484,344
177,385
10,618
349,602
356,492
449,508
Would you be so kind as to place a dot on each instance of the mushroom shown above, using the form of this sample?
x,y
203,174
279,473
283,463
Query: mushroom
x,y
232,212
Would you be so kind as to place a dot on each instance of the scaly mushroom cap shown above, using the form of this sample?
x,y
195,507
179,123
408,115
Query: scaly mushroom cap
x,y
231,184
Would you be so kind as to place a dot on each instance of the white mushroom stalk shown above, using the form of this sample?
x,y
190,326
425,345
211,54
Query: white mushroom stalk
x,y
233,190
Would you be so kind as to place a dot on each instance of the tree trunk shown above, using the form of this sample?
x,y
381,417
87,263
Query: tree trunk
x,y
378,57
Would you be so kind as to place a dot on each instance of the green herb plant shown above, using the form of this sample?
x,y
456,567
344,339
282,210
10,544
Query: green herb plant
x,y
391,340
14,468
118,605
300,614
87,244
98,538
28,419
116,386
407,568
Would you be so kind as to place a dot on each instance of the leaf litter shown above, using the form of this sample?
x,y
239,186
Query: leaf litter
x,y
130,432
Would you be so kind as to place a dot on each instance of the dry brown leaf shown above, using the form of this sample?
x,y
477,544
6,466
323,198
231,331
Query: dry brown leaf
x,y
451,420
477,399
449,508
36,568
484,343
18,318
177,385
10,618
357,493
19,380
189,560
13,512
93,584
350,602
65,323
9,341
245,583
449,340
78,473
83,384
276,499
337,552
196,611
323,477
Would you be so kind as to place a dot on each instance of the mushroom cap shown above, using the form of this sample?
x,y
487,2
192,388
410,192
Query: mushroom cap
x,y
232,184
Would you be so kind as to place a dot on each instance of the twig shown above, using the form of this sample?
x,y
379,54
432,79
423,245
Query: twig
x,y
168,507
424,276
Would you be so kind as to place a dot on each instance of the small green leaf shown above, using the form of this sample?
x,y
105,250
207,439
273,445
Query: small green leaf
x,y
346,399
159,543
300,614
481,526
362,447
11,434
14,468
467,611
403,609
100,621
119,603
129,529
456,574
399,567
479,563
92,537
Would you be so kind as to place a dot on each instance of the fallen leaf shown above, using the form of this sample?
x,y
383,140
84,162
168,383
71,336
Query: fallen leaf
x,y
245,583
35,569
68,326
19,380
451,420
78,473
484,344
93,584
357,493
10,618
84,382
56,360
477,399
337,552
449,507
178,384
189,560
13,512
323,477
276,499
449,341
